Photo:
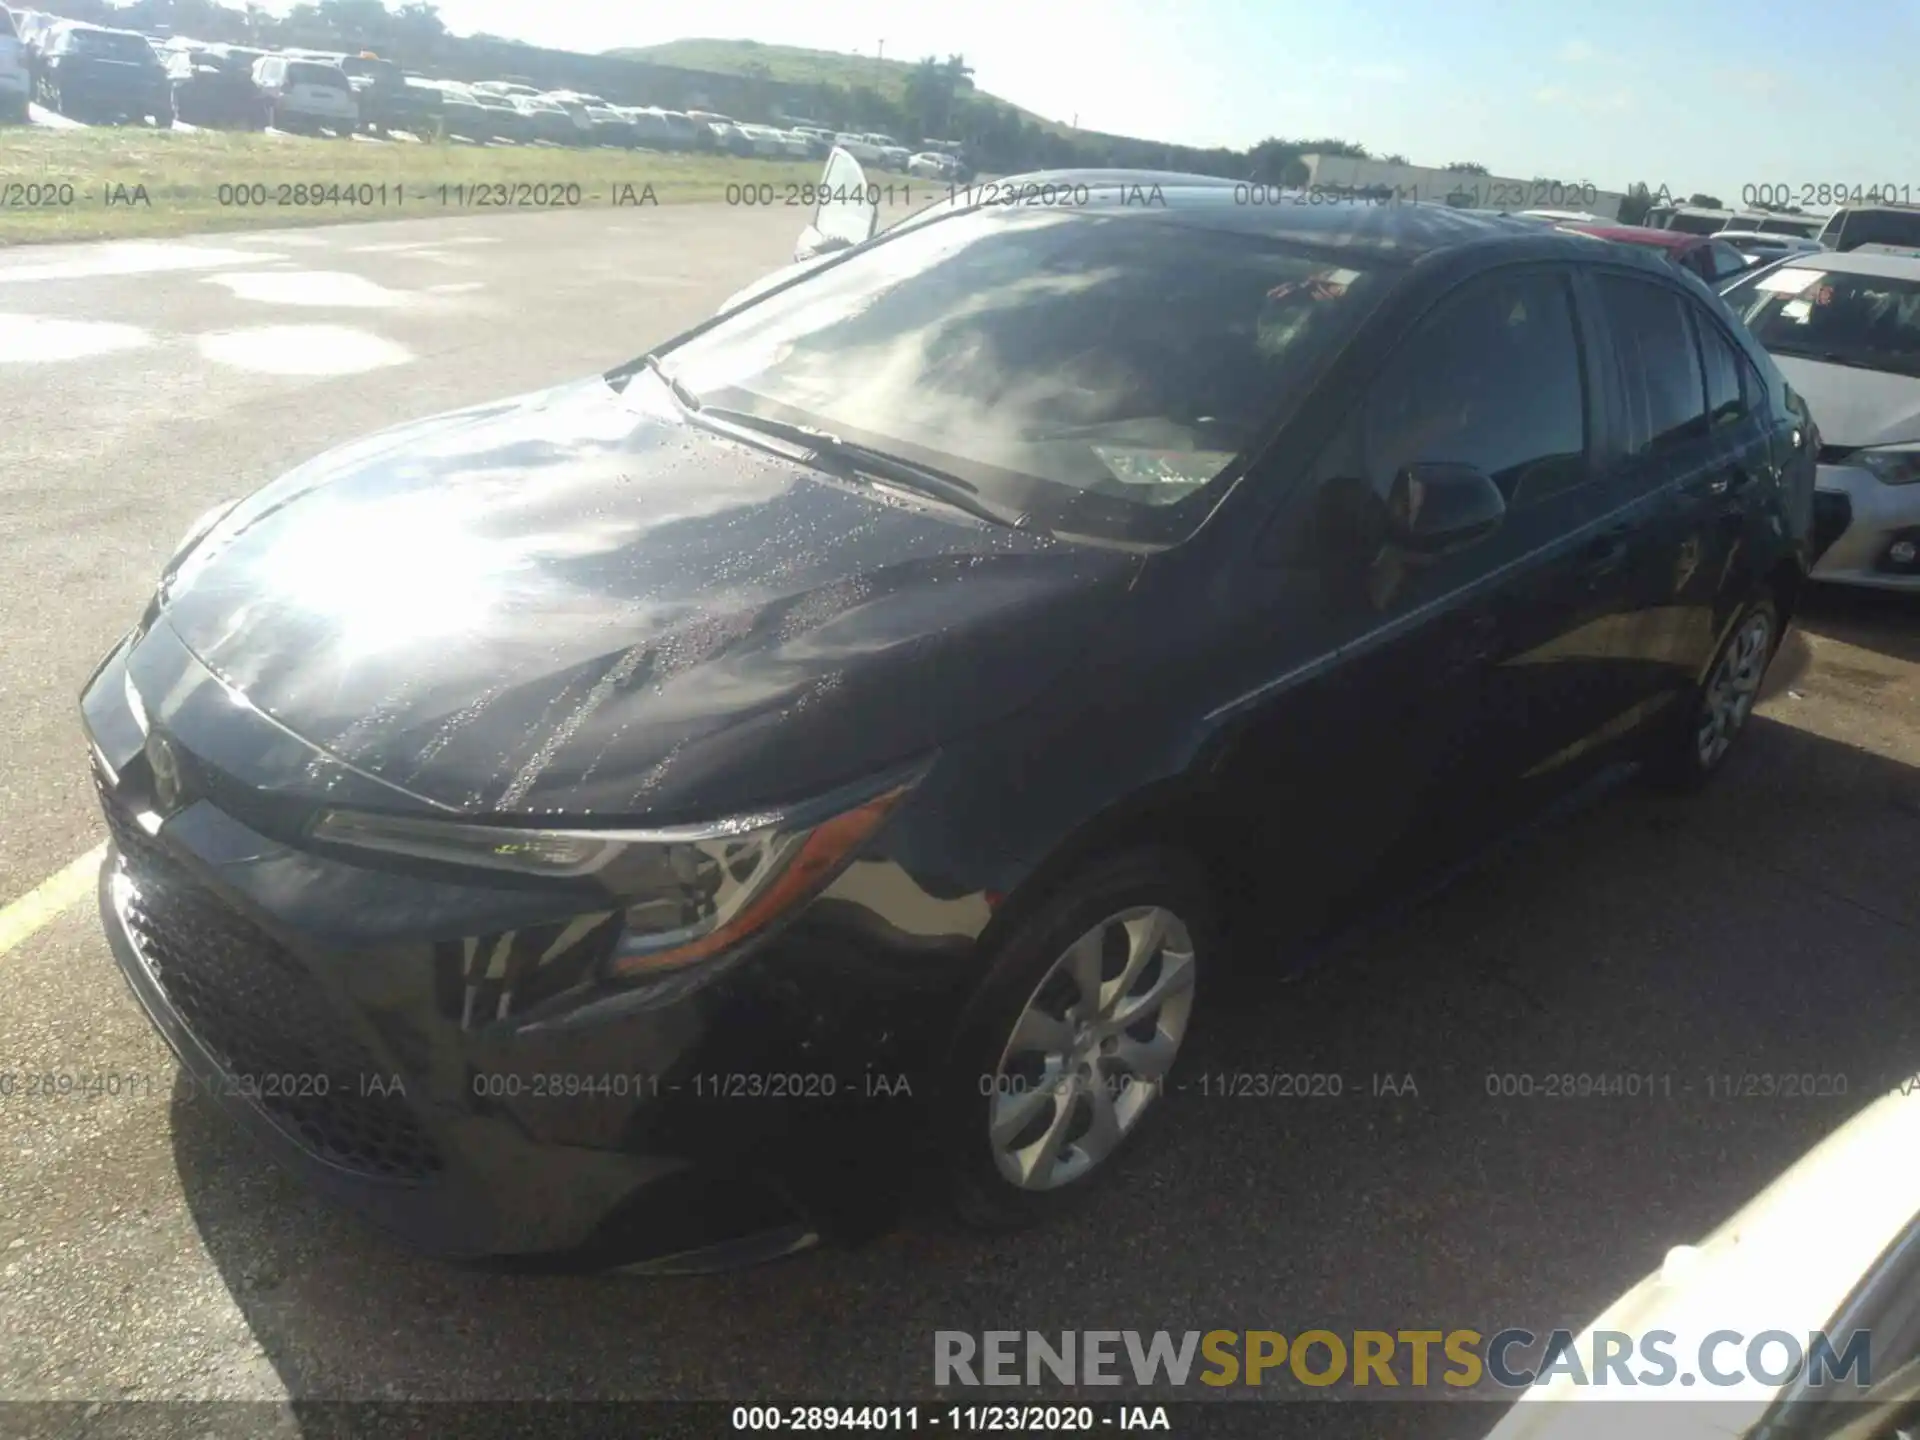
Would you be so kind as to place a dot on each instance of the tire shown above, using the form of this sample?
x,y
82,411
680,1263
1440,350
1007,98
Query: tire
x,y
1103,913
1716,714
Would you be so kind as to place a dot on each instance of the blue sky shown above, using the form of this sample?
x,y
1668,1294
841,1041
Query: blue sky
x,y
1711,95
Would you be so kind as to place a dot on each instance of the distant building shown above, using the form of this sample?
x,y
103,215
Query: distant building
x,y
1465,191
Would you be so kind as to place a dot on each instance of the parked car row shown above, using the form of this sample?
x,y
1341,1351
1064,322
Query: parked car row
x,y
99,74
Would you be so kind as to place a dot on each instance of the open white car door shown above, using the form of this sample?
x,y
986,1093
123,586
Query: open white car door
x,y
847,214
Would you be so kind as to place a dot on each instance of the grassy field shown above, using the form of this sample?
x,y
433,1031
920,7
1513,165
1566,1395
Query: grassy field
x,y
104,183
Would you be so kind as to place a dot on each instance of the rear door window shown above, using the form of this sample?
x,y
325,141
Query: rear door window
x,y
1658,368
306,72
1727,403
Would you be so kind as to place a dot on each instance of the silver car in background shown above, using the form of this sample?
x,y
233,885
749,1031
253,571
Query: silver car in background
x,y
1845,329
1760,246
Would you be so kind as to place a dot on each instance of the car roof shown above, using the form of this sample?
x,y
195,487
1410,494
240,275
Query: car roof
x,y
78,25
1860,262
1784,239
1377,233
1642,235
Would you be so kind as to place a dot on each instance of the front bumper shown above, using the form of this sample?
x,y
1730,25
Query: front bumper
x,y
437,1056
1878,515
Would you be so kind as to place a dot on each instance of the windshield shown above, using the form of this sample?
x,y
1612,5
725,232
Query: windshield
x,y
1697,224
1850,229
382,72
1872,321
308,72
109,45
1094,371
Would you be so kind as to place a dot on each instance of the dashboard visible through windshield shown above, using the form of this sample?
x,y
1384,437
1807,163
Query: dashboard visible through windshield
x,y
1103,365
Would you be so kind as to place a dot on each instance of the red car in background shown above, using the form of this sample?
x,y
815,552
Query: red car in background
x,y
1714,261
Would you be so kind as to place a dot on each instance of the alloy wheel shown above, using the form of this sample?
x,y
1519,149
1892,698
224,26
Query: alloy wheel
x,y
1091,1049
1733,689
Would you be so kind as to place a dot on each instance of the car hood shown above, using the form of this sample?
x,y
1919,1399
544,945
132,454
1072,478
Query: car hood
x,y
580,602
1855,407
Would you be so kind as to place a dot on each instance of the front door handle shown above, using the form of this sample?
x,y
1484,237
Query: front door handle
x,y
1730,482
1605,556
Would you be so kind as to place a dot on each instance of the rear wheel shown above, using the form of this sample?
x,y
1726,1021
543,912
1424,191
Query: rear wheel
x,y
1722,704
1067,1045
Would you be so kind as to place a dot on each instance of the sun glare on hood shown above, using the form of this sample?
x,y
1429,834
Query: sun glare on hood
x,y
389,575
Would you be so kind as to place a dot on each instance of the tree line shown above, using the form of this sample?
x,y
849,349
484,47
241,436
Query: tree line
x,y
937,100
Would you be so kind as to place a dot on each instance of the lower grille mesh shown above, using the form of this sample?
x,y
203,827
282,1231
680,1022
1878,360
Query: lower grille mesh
x,y
265,1019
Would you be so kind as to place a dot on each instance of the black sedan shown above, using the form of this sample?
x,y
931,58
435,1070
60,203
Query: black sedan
x,y
655,814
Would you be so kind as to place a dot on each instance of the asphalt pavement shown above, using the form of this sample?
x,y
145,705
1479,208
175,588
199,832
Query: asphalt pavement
x,y
147,1251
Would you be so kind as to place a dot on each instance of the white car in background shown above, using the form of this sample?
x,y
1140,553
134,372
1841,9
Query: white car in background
x,y
933,165
767,142
1763,245
306,95
1832,1247
1845,331
16,88
893,155
861,147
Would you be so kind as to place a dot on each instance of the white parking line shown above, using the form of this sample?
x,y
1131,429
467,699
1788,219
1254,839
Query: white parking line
x,y
46,900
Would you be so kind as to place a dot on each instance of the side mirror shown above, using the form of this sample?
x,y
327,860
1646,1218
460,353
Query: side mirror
x,y
1437,507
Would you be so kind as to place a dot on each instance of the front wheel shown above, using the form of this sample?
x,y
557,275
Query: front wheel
x,y
1068,1044
1722,704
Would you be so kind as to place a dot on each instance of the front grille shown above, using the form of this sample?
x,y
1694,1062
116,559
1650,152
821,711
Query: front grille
x,y
1834,454
265,1019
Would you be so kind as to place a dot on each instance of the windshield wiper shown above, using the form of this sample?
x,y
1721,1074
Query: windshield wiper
x,y
864,459
680,392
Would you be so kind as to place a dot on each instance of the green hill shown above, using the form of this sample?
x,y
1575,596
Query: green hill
x,y
795,65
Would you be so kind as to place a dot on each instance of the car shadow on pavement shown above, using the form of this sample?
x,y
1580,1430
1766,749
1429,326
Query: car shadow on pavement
x,y
1880,620
1388,1142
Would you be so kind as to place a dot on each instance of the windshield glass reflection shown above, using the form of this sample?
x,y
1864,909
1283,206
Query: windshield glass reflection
x,y
1080,367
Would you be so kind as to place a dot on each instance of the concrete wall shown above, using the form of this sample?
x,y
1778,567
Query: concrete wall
x,y
1478,192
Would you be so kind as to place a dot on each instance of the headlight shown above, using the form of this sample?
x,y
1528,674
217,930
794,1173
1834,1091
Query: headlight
x,y
1890,467
688,892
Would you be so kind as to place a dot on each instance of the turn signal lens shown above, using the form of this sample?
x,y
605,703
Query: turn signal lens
x,y
790,871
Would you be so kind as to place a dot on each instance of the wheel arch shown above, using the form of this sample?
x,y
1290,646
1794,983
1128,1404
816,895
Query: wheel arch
x,y
1181,814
